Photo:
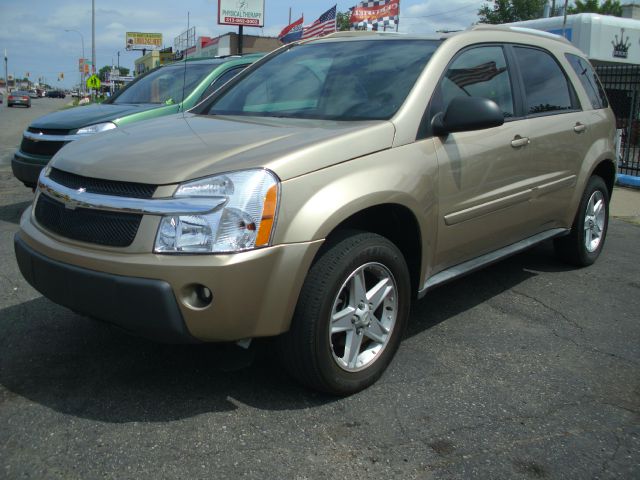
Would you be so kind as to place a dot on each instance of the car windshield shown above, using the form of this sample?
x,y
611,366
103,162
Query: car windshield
x,y
165,85
355,80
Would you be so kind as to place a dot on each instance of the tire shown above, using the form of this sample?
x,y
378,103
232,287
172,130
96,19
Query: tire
x,y
585,242
351,267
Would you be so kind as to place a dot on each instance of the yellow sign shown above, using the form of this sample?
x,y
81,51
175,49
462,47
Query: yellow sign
x,y
93,82
141,40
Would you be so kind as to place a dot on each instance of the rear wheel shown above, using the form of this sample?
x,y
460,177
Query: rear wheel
x,y
586,240
350,315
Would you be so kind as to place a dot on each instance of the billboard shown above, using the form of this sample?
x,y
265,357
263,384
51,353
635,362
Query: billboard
x,y
146,41
248,13
185,40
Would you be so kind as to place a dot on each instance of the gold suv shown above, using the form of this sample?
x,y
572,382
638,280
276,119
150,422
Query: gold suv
x,y
325,187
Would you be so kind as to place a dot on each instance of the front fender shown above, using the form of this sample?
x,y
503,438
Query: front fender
x,y
313,205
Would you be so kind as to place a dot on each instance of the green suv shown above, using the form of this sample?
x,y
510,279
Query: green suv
x,y
162,91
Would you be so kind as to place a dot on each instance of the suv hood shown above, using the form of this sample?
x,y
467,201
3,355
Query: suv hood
x,y
88,115
176,148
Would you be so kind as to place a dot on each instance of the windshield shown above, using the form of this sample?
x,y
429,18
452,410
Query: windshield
x,y
164,85
356,80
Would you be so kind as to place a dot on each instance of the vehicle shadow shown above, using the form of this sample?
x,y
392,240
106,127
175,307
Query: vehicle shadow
x,y
88,369
462,294
11,213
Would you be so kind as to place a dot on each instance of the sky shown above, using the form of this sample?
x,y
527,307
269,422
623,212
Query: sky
x,y
33,31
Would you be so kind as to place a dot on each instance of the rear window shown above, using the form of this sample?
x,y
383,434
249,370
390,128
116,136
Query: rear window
x,y
589,80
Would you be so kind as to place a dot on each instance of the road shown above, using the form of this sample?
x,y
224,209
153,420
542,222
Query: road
x,y
15,119
528,369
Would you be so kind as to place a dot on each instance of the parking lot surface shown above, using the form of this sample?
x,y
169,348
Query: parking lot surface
x,y
527,369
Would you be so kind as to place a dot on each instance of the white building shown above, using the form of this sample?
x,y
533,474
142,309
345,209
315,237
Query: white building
x,y
603,38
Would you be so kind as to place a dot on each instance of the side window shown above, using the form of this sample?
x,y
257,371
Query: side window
x,y
546,87
478,72
589,80
221,80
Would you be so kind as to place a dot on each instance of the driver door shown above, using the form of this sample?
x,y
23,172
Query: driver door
x,y
483,175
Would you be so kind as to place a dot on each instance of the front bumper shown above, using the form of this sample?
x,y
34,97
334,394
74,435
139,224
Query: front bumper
x,y
254,292
27,168
141,306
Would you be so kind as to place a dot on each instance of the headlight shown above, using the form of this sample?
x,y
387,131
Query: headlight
x,y
244,221
97,128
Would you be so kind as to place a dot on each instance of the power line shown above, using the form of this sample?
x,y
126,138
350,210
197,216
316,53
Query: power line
x,y
469,5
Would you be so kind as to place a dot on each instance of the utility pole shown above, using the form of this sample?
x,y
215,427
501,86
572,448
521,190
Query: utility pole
x,y
93,36
93,40
6,74
82,85
564,21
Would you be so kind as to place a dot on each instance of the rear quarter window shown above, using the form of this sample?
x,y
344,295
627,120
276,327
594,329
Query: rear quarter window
x,y
589,80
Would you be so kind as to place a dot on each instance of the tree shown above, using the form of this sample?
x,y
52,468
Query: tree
x,y
102,73
505,11
608,7
342,21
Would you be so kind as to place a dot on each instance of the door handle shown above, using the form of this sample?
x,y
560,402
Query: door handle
x,y
580,127
519,141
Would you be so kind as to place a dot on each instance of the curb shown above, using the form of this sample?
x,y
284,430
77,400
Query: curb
x,y
628,181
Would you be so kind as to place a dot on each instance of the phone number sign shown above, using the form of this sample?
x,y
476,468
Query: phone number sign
x,y
249,13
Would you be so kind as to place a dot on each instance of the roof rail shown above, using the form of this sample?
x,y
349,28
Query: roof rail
x,y
517,29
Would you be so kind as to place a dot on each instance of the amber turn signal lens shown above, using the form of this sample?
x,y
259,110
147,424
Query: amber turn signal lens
x,y
268,214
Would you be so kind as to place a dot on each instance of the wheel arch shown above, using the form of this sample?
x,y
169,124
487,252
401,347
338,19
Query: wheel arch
x,y
606,169
393,221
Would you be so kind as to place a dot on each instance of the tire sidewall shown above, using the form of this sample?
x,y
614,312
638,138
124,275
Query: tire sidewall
x,y
595,184
370,250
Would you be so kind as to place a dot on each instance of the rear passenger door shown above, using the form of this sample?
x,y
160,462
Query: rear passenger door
x,y
558,129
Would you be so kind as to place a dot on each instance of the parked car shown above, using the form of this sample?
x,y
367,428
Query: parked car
x,y
56,94
163,91
1,97
318,192
19,97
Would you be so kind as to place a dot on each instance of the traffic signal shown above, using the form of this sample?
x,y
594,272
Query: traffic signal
x,y
61,75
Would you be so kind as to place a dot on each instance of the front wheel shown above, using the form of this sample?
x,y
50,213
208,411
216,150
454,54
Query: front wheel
x,y
350,316
586,240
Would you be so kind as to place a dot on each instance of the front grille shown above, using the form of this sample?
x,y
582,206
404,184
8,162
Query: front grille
x,y
103,187
113,229
49,131
42,147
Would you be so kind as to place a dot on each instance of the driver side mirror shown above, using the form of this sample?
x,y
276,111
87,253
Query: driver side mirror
x,y
466,114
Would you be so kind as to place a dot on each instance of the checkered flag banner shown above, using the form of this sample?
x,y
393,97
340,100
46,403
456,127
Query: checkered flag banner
x,y
375,15
377,3
384,23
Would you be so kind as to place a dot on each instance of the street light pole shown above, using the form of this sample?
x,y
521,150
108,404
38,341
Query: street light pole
x,y
83,59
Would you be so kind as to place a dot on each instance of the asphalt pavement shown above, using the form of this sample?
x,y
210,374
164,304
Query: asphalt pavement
x,y
527,369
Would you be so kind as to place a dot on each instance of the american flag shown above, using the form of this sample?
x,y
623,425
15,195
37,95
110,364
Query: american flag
x,y
484,72
322,26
